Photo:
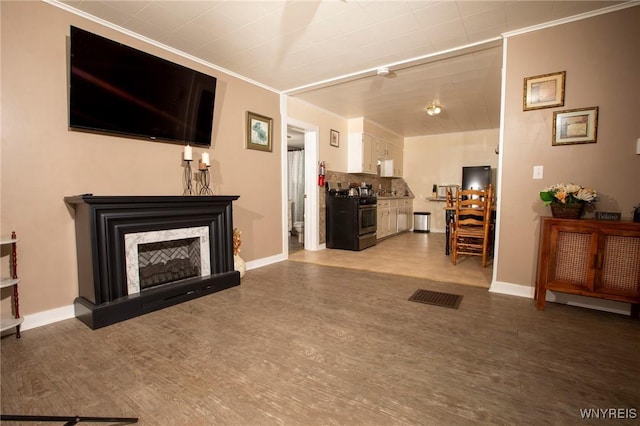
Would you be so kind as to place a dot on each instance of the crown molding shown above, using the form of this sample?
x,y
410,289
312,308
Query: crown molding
x,y
573,18
70,9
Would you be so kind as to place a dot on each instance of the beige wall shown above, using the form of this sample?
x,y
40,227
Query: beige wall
x,y
42,161
439,159
601,56
335,158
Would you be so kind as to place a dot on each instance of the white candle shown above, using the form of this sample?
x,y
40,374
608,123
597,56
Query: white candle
x,y
188,154
205,158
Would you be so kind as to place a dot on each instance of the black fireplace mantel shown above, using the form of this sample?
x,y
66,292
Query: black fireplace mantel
x,y
101,224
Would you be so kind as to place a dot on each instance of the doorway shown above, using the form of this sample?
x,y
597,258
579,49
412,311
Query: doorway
x,y
309,204
295,188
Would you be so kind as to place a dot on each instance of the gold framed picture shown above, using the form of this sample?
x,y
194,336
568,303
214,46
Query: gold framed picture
x,y
334,138
259,131
574,126
544,91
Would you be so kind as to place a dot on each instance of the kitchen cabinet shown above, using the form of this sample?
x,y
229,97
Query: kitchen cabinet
x,y
393,216
405,212
590,258
11,320
383,219
392,166
384,149
398,161
362,156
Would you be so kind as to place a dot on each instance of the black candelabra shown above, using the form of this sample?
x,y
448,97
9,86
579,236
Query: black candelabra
x,y
188,189
205,180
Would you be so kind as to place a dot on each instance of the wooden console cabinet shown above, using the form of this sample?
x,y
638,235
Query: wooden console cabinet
x,y
590,258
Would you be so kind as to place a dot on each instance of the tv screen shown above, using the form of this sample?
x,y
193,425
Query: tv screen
x,y
116,89
476,177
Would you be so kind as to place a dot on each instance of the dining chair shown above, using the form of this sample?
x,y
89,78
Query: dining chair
x,y
449,197
449,215
472,231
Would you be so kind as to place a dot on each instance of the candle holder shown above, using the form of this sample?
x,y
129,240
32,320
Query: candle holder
x,y
205,180
188,189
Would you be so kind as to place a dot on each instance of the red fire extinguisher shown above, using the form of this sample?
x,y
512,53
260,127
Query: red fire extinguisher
x,y
321,172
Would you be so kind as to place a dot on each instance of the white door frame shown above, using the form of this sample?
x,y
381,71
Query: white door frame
x,y
311,200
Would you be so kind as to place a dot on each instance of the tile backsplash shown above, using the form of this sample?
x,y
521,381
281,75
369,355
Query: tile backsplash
x,y
379,184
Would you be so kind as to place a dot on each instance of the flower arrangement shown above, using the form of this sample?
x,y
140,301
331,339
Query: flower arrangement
x,y
236,241
568,194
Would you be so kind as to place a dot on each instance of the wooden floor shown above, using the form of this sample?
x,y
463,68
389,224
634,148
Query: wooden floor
x,y
411,254
304,344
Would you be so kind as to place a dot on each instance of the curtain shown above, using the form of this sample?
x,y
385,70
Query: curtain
x,y
296,184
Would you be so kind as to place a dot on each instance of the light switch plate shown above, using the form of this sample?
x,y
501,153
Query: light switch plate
x,y
538,172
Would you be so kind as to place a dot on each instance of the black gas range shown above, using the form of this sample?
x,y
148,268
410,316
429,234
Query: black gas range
x,y
351,220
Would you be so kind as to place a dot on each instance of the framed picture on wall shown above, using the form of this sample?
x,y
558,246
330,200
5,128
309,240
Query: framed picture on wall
x,y
575,126
544,91
334,138
258,132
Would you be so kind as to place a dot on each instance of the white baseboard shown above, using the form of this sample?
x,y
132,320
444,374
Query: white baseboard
x,y
258,263
563,298
47,317
512,289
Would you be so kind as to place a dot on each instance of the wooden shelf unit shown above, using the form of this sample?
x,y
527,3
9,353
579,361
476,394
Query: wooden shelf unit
x,y
8,322
590,258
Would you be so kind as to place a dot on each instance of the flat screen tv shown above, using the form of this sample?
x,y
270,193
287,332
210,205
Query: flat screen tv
x,y
116,89
476,177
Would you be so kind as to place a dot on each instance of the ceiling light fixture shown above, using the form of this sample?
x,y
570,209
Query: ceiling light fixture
x,y
434,109
383,71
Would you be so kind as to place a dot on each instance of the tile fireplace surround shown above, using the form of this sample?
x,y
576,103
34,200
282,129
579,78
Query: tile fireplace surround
x,y
104,229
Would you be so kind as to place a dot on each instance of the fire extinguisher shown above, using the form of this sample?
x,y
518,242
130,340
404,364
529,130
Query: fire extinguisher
x,y
321,172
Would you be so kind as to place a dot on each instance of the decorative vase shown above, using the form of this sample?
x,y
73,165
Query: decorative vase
x,y
636,214
239,265
567,211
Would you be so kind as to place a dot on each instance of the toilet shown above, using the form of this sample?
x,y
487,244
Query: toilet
x,y
299,228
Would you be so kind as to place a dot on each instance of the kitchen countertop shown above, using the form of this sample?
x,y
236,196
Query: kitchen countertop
x,y
394,197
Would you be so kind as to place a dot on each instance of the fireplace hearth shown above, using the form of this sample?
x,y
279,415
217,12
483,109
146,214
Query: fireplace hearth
x,y
138,254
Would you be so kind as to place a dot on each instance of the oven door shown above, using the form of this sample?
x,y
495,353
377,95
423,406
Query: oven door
x,y
367,219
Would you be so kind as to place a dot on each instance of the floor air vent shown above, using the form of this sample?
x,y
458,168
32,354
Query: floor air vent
x,y
446,300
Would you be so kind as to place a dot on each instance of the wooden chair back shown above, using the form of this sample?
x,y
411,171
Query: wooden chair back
x,y
473,223
471,206
449,197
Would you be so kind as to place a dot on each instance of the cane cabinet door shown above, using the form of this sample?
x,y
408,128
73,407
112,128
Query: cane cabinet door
x,y
572,253
618,263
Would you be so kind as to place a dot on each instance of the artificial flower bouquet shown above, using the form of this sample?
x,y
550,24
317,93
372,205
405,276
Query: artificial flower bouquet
x,y
568,194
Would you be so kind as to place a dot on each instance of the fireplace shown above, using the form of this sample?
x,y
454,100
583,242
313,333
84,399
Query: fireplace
x,y
138,254
158,257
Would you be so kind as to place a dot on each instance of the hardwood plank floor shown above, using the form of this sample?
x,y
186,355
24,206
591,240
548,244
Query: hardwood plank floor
x,y
304,344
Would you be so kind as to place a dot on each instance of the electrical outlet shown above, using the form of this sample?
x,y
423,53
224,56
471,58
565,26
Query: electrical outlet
x,y
538,172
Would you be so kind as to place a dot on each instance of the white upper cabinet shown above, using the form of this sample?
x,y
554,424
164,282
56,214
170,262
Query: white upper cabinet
x,y
368,144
